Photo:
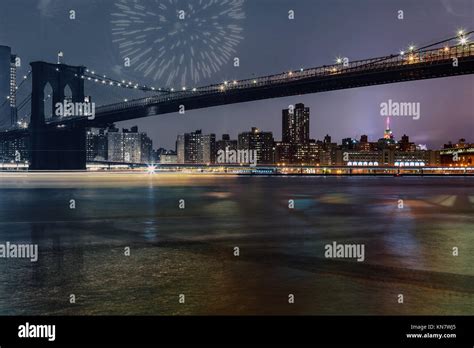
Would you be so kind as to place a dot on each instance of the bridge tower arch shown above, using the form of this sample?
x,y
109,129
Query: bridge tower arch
x,y
54,146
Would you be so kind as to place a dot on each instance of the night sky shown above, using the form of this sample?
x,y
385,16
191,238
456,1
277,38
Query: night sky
x,y
271,43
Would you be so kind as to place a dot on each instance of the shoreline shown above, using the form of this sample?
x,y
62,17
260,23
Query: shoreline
x,y
13,173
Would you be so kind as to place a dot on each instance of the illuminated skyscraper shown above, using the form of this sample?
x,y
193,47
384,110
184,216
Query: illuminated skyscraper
x,y
262,142
114,145
295,125
180,146
146,148
209,148
196,148
128,146
193,147
96,144
13,111
388,133
7,87
226,143
137,146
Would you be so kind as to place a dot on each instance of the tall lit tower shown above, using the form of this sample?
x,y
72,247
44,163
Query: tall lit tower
x,y
7,87
13,111
295,125
388,133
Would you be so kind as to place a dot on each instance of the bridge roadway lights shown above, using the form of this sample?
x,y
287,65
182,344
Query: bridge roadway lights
x,y
64,148
314,84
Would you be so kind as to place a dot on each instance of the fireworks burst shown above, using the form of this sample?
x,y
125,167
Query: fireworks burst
x,y
177,42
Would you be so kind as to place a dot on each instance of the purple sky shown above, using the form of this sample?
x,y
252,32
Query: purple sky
x,y
321,31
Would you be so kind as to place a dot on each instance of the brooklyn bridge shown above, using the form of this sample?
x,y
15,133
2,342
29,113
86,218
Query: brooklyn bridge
x,y
57,142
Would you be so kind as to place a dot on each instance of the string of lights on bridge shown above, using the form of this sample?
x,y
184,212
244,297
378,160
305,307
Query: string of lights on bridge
x,y
462,38
25,77
22,123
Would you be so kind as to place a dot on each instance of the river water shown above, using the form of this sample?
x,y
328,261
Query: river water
x,y
408,226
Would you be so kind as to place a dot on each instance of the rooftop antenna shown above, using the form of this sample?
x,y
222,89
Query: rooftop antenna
x,y
60,55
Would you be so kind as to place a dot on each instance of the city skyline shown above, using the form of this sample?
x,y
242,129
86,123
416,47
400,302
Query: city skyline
x,y
341,113
297,147
289,146
214,160
381,133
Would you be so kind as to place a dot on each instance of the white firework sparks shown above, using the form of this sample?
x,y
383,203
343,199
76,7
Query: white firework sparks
x,y
178,42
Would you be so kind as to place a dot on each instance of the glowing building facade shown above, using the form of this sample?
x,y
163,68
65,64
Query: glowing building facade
x,y
8,115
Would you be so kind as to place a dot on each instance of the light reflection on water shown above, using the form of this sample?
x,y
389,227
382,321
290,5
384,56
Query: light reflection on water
x,y
190,251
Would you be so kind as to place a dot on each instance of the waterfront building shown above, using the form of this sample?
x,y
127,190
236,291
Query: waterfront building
x,y
180,142
416,158
209,149
309,153
260,141
405,145
126,146
131,145
226,143
364,145
296,154
193,147
361,158
349,144
114,145
295,124
14,148
296,146
284,153
146,149
96,144
460,154
169,157
196,148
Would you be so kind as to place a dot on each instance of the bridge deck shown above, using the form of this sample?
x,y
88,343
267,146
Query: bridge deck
x,y
432,63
